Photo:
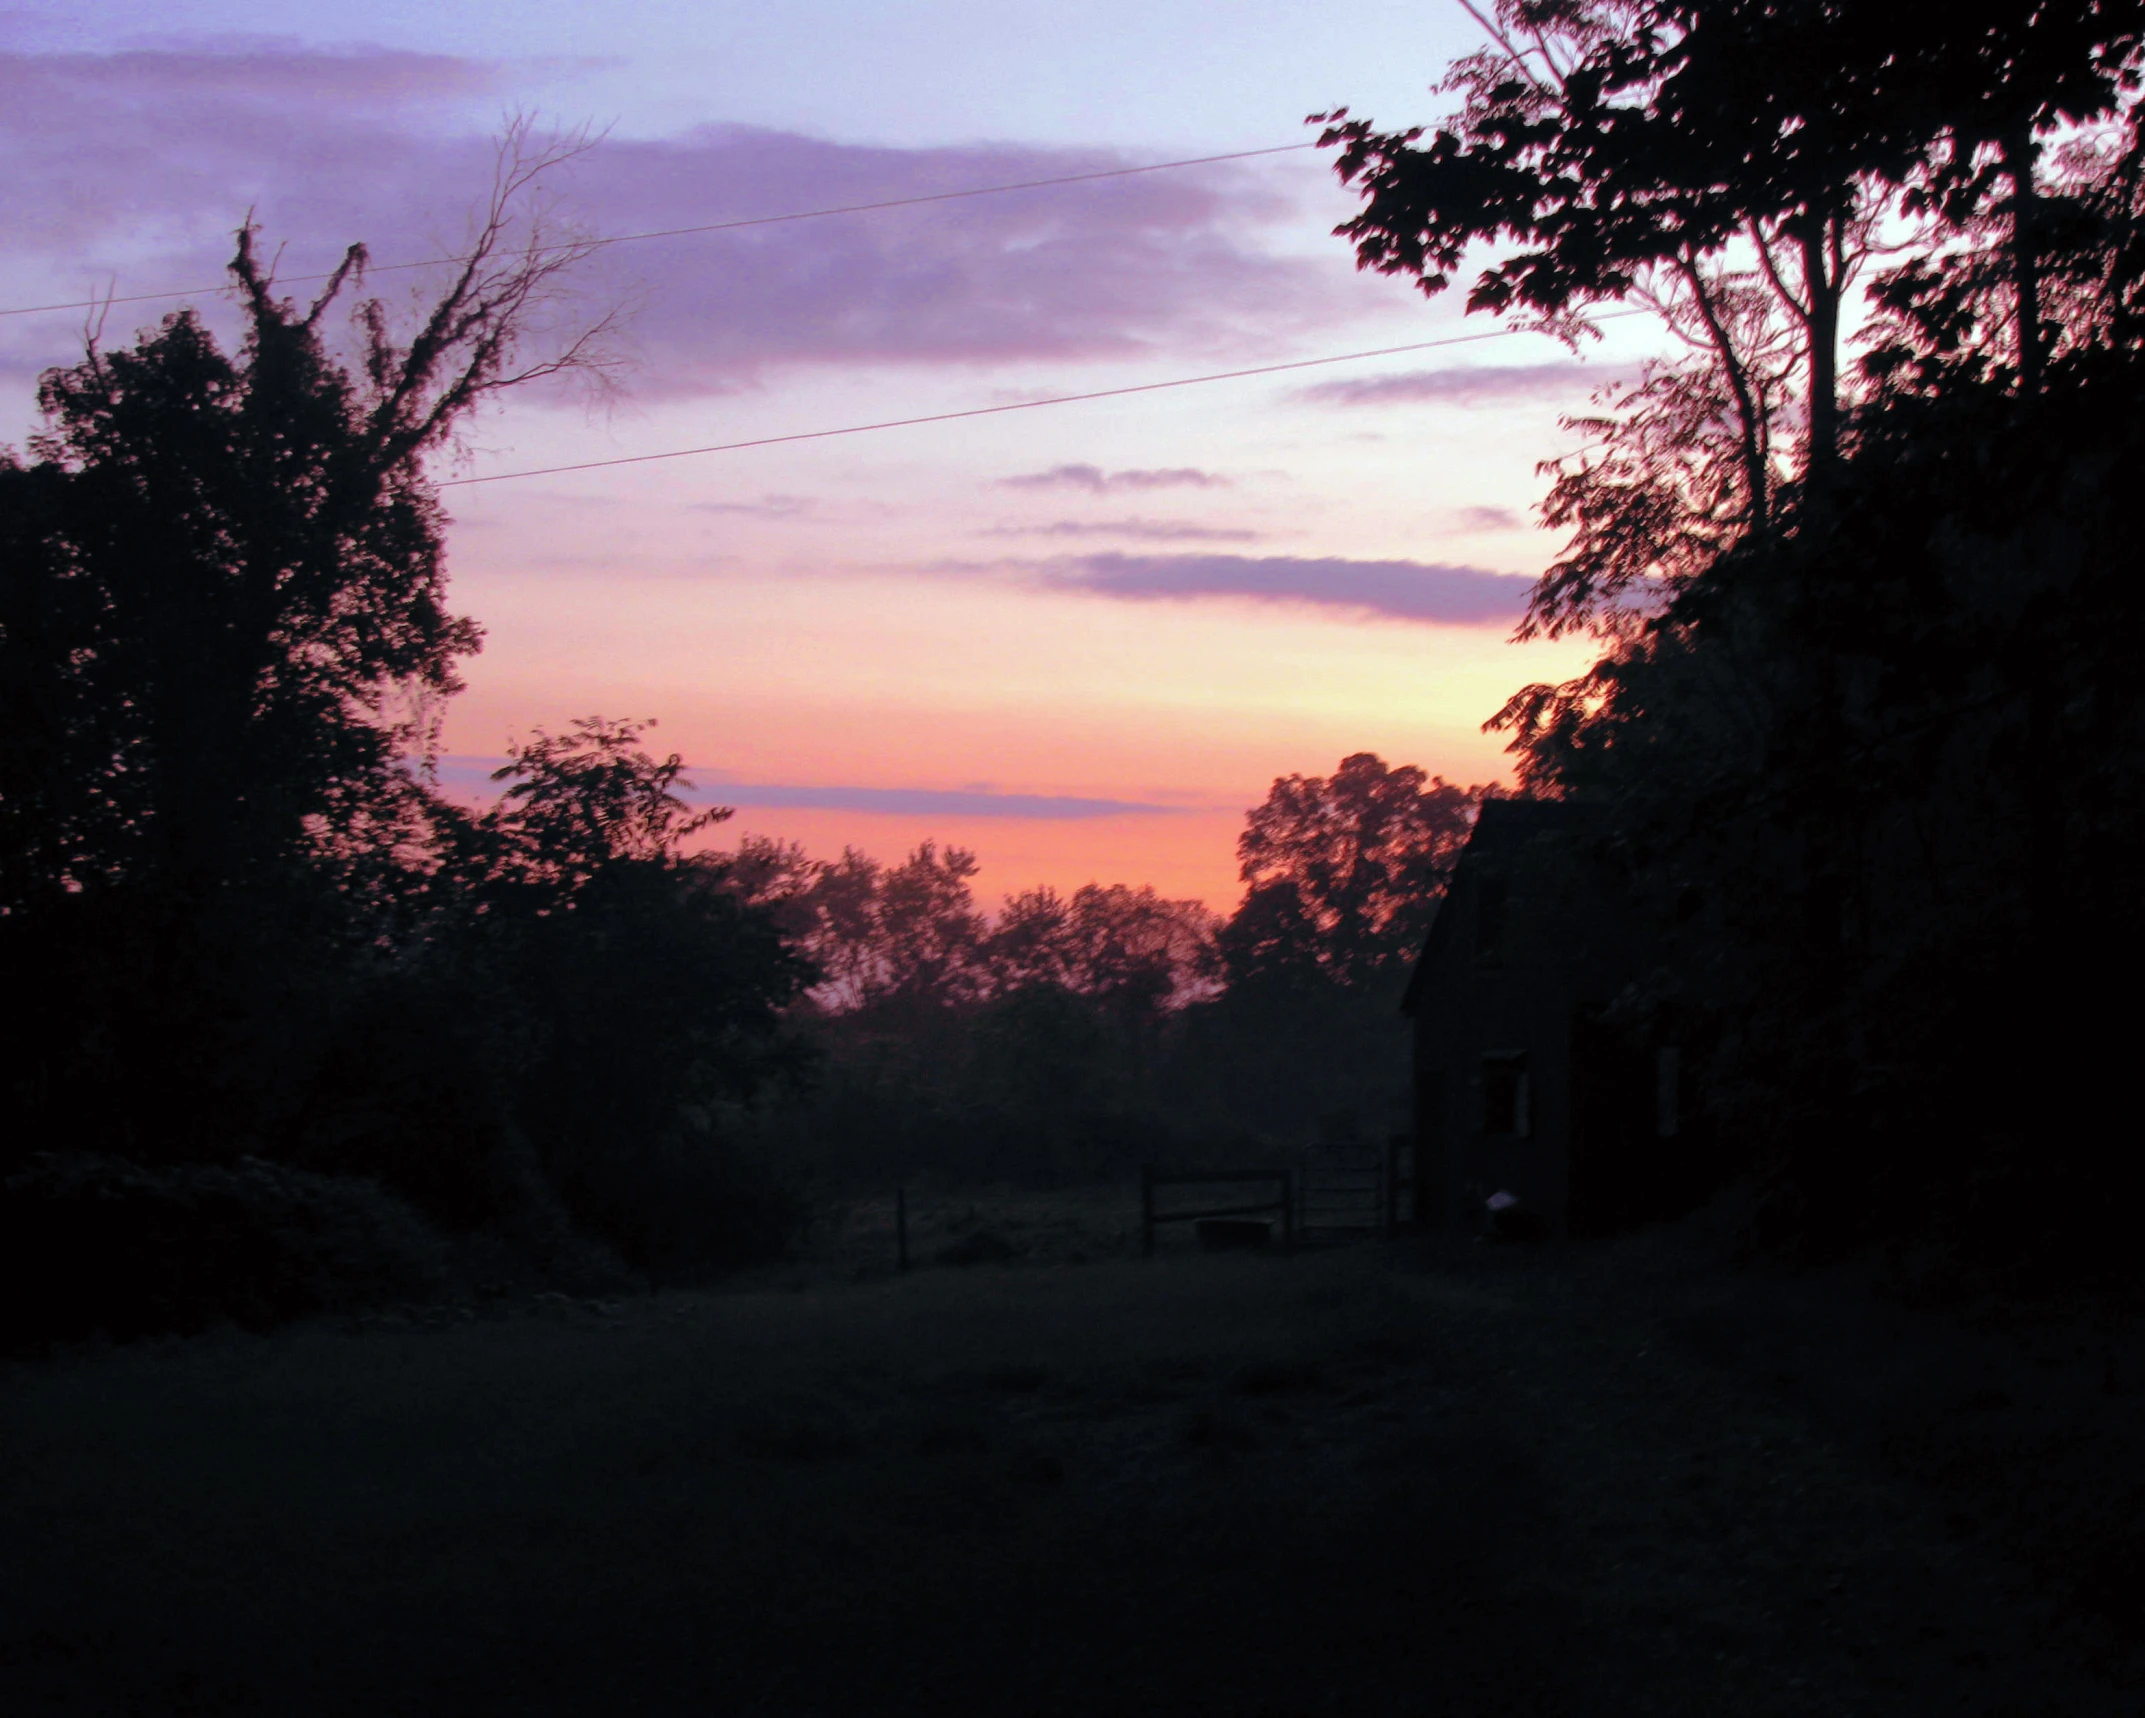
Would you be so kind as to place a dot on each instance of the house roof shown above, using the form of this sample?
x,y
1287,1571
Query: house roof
x,y
1500,826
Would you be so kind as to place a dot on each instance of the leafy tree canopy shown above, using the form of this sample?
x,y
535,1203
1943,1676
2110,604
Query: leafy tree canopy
x,y
590,798
1737,166
1344,872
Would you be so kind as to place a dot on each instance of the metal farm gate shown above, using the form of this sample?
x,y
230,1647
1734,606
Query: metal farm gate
x,y
1352,1190
1336,1192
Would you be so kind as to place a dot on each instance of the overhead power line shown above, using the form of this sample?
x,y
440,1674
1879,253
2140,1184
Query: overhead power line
x,y
705,227
1012,406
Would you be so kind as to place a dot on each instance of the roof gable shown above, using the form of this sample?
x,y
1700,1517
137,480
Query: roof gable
x,y
1501,827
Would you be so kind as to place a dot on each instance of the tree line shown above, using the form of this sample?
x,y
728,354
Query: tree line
x,y
1075,1036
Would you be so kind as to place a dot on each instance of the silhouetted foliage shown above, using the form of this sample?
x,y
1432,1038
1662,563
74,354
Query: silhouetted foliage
x,y
1900,763
570,1033
1030,1046
233,583
1071,1036
99,1247
248,928
1343,873
647,993
1729,164
1871,751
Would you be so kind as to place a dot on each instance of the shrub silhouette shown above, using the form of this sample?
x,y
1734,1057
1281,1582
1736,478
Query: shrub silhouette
x,y
95,1246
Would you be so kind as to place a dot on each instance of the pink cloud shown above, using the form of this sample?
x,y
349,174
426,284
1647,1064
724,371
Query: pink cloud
x,y
1096,481
1143,530
767,507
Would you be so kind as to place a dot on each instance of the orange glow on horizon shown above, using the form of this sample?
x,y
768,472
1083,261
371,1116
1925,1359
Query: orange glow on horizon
x,y
914,681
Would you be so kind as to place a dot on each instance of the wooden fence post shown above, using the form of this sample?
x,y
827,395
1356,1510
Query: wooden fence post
x,y
901,1228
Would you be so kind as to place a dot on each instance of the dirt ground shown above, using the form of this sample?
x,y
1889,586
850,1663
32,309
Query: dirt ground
x,y
1423,1476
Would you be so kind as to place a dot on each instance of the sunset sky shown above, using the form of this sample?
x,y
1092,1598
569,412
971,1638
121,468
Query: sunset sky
x,y
1080,639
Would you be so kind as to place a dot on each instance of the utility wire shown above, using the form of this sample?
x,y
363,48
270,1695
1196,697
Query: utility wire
x,y
708,227
1012,406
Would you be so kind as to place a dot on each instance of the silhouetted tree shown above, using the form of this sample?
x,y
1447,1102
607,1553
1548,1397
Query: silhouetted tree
x,y
1344,872
1983,92
1877,770
1606,151
1343,875
1026,1044
253,928
1857,727
646,996
585,802
1128,947
1725,162
223,628
889,938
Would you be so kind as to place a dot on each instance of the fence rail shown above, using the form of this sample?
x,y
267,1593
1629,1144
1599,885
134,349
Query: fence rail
x,y
1344,1198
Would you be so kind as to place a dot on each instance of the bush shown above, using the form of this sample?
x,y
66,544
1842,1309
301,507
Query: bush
x,y
409,1091
685,1205
97,1246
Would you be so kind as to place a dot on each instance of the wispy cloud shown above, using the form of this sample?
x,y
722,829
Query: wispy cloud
x,y
1488,519
1461,386
473,776
1400,590
767,507
1096,481
1144,530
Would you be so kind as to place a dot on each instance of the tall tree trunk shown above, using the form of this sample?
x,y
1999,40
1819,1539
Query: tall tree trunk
x,y
1819,240
2019,150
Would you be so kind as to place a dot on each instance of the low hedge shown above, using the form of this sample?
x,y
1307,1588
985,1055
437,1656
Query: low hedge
x,y
101,1247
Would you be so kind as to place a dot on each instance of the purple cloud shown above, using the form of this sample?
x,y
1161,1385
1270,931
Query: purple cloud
x,y
1076,272
767,507
1096,481
472,777
1399,590
1461,386
1145,530
139,165
106,149
1488,519
929,802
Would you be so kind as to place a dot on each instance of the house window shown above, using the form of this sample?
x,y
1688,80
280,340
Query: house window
x,y
1667,1091
1504,1093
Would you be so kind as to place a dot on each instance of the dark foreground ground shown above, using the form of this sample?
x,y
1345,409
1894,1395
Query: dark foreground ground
x,y
1408,1478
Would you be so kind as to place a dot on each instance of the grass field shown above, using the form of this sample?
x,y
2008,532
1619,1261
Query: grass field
x,y
1418,1477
